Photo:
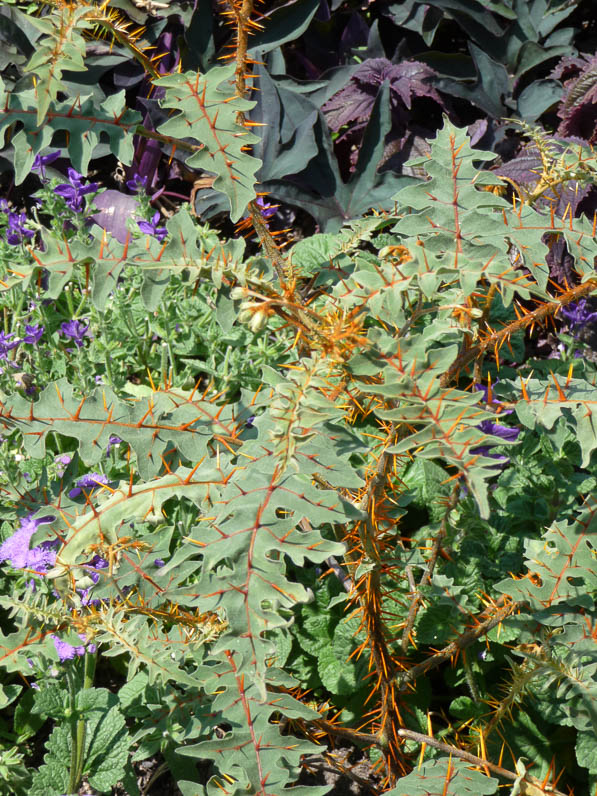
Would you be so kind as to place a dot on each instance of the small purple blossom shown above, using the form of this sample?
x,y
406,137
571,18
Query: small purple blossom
x,y
578,314
7,343
41,161
88,481
137,183
66,651
97,562
62,461
16,548
112,443
17,231
267,210
76,330
151,227
159,563
33,334
504,432
74,190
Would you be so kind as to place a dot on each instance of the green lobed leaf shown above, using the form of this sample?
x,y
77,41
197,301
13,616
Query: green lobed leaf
x,y
85,123
444,777
61,48
208,108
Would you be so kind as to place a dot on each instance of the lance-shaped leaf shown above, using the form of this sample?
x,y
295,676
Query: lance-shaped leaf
x,y
208,112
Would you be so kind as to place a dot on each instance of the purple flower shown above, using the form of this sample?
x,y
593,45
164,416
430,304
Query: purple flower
x,y
97,562
33,334
112,442
66,651
43,557
489,427
137,183
41,161
16,229
76,330
496,430
151,227
16,548
88,481
159,562
74,190
267,210
7,343
62,461
578,314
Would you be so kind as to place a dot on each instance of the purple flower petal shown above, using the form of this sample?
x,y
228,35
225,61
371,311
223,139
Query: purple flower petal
x,y
41,161
112,442
76,330
504,432
151,227
16,548
33,334
88,481
74,190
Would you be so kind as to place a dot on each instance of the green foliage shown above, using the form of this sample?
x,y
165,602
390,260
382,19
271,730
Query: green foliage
x,y
112,118
208,113
359,521
106,741
444,777
330,200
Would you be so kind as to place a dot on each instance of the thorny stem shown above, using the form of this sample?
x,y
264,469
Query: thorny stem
x,y
491,293
346,732
371,601
463,641
243,11
497,338
472,759
428,574
167,139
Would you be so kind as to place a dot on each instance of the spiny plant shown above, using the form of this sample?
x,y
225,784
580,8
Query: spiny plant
x,y
375,458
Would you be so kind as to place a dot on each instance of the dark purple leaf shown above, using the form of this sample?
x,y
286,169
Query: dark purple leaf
x,y
526,168
354,102
578,109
